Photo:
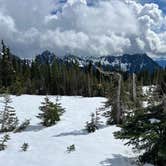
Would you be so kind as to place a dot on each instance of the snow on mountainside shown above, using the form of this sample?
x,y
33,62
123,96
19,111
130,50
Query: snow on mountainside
x,y
129,63
47,146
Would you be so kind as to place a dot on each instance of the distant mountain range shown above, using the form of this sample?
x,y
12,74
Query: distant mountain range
x,y
126,62
161,62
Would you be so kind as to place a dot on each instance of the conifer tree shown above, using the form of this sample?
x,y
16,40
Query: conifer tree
x,y
7,70
145,130
8,119
3,142
25,147
50,112
94,123
71,148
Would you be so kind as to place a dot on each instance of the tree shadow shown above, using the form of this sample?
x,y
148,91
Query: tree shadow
x,y
72,133
78,132
34,128
119,160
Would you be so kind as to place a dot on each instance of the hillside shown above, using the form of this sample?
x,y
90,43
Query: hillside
x,y
49,145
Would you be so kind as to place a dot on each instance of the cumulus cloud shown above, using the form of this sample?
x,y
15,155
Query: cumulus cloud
x,y
83,27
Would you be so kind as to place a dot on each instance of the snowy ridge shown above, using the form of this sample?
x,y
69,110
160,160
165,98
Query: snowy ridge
x,y
126,62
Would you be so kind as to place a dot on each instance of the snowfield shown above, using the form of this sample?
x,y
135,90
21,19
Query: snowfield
x,y
47,146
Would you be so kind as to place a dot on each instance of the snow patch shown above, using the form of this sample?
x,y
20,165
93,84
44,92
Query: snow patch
x,y
49,145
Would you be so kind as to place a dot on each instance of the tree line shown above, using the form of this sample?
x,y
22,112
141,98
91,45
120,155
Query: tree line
x,y
22,76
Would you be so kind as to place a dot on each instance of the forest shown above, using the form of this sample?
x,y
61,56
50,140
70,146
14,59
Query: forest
x,y
22,76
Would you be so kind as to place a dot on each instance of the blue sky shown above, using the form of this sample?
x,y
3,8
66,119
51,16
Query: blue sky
x,y
161,3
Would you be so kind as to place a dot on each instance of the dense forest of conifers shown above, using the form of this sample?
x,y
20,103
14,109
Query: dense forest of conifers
x,y
19,76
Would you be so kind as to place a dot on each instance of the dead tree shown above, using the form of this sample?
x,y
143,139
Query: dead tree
x,y
164,103
134,91
118,76
119,110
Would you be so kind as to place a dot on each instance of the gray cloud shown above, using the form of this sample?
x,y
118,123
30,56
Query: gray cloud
x,y
81,27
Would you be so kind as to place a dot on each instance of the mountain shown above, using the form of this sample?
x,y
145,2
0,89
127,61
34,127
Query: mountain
x,y
161,62
128,63
46,57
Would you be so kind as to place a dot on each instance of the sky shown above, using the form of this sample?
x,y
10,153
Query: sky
x,y
161,3
84,27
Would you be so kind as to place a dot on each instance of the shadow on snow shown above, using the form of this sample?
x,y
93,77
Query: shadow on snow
x,y
72,133
119,160
34,128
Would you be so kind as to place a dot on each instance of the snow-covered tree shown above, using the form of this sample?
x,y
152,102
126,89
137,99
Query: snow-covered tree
x,y
8,118
50,112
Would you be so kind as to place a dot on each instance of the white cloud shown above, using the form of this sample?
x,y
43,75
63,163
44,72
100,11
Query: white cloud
x,y
105,27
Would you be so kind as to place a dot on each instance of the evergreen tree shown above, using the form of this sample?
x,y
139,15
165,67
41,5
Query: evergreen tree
x,y
25,147
71,148
94,124
146,130
8,119
7,70
3,142
50,112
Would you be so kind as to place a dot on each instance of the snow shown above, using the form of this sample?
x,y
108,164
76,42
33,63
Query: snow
x,y
148,89
153,120
47,146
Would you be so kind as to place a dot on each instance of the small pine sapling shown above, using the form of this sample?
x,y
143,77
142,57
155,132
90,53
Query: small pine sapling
x,y
3,142
50,112
24,147
93,125
71,148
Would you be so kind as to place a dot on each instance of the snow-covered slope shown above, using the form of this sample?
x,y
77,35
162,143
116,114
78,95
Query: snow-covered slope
x,y
48,145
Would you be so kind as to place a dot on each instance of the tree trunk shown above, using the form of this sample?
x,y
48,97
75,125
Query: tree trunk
x,y
89,86
134,93
164,103
118,115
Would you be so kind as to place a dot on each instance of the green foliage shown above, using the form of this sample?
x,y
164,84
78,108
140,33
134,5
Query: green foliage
x,y
25,147
20,76
59,78
50,112
71,148
93,125
146,131
8,118
3,142
128,102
